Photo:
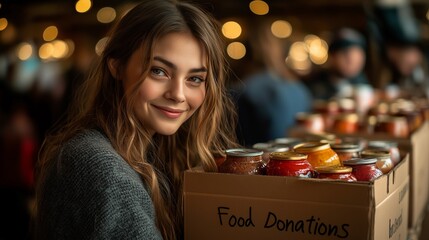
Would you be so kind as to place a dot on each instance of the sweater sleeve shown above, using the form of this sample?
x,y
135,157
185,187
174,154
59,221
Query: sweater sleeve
x,y
94,194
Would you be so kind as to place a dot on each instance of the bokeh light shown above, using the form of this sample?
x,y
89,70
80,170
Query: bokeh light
x,y
83,6
281,29
236,50
24,51
259,7
106,15
231,30
3,24
60,49
50,33
46,51
101,44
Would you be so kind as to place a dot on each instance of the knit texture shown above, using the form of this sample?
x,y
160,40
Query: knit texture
x,y
92,193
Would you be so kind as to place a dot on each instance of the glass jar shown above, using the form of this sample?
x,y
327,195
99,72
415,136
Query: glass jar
x,y
268,148
243,161
336,173
319,154
395,126
346,123
289,164
384,162
346,151
364,169
311,122
390,146
219,157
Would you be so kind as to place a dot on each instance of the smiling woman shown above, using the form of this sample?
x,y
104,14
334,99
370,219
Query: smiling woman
x,y
154,106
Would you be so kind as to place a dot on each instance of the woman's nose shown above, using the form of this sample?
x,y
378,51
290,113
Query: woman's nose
x,y
175,90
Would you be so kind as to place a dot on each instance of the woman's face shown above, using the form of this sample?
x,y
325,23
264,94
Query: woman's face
x,y
175,86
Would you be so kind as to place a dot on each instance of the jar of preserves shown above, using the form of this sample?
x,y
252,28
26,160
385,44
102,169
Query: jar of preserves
x,y
384,162
346,123
364,169
346,151
289,164
336,173
268,148
319,154
243,161
395,126
311,122
390,146
219,157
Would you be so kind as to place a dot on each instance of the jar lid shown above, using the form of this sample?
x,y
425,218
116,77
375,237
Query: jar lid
x,y
334,169
382,144
375,153
360,161
307,147
289,155
243,152
345,147
261,146
352,117
286,141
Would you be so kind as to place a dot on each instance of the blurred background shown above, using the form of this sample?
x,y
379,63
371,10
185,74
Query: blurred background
x,y
47,46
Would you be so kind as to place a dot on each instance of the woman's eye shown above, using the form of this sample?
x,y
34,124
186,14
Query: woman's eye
x,y
158,72
196,81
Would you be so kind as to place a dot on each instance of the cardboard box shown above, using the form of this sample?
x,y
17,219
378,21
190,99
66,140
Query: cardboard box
x,y
416,145
228,206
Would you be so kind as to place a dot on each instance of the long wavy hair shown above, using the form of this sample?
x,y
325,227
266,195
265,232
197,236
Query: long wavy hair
x,y
160,160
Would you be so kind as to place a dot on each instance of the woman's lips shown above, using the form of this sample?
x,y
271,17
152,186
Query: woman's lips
x,y
170,112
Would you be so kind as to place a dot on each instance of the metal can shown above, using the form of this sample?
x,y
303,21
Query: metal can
x,y
384,162
319,154
336,173
346,151
243,161
289,164
364,169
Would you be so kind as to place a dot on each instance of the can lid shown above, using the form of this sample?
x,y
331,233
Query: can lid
x,y
334,169
261,146
307,147
243,152
289,155
377,153
360,161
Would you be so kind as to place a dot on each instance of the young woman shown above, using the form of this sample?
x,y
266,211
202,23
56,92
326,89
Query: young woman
x,y
154,106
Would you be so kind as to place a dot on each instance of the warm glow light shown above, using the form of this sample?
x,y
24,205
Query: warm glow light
x,y
427,15
46,51
50,33
3,24
101,44
9,34
259,7
60,49
231,30
281,29
298,51
303,67
317,49
236,50
310,38
70,47
106,15
24,51
83,6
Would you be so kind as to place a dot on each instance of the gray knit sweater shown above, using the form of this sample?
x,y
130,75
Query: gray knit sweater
x,y
92,193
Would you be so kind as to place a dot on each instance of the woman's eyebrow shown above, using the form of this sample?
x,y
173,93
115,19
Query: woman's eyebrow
x,y
173,66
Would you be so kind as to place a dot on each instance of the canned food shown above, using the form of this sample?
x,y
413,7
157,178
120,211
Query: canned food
x,y
346,123
336,173
243,161
312,122
391,147
268,148
319,154
289,164
364,169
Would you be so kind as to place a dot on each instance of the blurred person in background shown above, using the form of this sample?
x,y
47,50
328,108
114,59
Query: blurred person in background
x,y
345,68
403,65
154,106
269,99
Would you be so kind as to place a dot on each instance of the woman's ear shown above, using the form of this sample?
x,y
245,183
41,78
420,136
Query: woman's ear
x,y
112,63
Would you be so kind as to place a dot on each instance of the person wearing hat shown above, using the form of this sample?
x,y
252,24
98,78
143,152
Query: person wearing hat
x,y
401,49
344,68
